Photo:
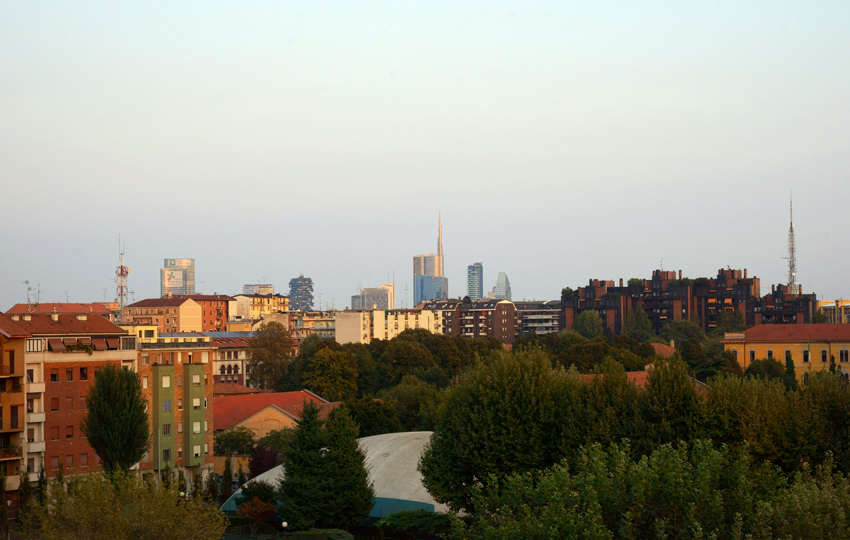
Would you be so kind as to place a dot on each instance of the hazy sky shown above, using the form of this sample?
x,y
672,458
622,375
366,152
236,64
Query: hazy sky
x,y
562,141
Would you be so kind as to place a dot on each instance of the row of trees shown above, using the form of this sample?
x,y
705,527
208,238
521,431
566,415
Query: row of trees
x,y
516,413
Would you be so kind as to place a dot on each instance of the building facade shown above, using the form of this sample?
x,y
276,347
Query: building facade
x,y
812,347
104,309
503,287
429,282
301,293
259,288
482,319
169,314
177,277
364,326
256,306
836,311
380,297
475,281
537,317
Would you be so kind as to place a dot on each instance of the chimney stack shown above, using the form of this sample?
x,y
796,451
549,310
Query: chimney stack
x,y
680,274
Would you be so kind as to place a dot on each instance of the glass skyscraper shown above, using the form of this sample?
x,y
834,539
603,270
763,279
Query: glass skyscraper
x,y
177,277
475,281
503,287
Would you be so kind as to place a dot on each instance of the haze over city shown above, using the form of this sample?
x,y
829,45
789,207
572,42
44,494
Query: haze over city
x,y
560,143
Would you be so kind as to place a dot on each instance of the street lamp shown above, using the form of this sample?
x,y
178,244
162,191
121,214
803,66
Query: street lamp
x,y
285,525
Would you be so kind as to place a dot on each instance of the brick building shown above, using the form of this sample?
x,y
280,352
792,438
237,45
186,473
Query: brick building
x,y
485,318
168,314
668,296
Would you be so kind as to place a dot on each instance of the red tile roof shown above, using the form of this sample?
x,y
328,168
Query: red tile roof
x,y
100,309
230,410
224,343
798,332
172,301
235,389
43,324
663,349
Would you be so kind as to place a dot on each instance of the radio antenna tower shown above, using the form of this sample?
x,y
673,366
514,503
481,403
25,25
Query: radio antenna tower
x,y
793,285
121,273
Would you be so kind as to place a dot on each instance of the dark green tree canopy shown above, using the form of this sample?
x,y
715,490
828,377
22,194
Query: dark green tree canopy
x,y
235,439
402,356
588,324
270,353
638,325
116,422
331,374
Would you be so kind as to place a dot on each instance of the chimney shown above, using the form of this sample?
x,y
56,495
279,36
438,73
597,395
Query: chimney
x,y
673,343
745,273
680,274
15,318
54,316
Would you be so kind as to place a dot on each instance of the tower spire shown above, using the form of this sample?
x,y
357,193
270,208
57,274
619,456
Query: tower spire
x,y
793,285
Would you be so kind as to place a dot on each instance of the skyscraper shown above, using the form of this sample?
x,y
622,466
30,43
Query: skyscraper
x,y
475,281
301,293
381,297
503,287
430,266
177,277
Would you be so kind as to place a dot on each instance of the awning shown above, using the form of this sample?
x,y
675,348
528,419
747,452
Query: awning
x,y
85,341
112,342
55,345
69,341
100,344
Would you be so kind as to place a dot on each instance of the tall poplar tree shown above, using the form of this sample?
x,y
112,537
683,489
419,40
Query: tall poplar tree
x,y
353,493
116,423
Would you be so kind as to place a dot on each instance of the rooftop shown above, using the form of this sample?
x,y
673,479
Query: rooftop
x,y
71,308
230,410
794,333
43,324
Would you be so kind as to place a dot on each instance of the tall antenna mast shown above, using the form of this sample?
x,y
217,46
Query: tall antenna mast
x,y
793,285
121,273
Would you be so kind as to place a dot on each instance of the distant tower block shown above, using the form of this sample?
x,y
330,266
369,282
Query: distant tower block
x,y
301,294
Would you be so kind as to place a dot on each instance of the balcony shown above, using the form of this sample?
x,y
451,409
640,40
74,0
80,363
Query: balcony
x,y
35,417
35,447
9,371
13,451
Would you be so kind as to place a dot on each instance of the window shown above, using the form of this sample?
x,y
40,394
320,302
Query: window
x,y
805,357
205,378
69,432
69,374
196,380
69,461
787,354
84,460
843,355
166,454
145,360
206,449
205,403
179,452
30,434
166,381
180,380
770,354
54,377
54,462
196,450
84,373
166,430
752,356
54,404
179,427
823,356
196,427
145,383
147,457
54,433
69,404
205,426
33,345
31,465
83,404
179,404
196,403
166,405
30,375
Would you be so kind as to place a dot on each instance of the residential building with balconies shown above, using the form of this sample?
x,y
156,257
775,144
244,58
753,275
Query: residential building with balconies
x,y
170,314
364,326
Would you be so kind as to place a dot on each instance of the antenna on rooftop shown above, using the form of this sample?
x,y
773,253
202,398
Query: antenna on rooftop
x,y
121,273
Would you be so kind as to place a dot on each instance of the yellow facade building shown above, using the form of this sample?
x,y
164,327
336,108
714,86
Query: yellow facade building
x,y
256,306
812,347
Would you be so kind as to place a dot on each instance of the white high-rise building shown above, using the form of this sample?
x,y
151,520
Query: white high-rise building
x,y
503,287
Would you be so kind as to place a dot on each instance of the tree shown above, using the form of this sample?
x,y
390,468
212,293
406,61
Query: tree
x,y
270,353
415,403
352,494
374,416
265,491
501,417
211,491
588,324
766,368
278,440
819,317
303,490
227,479
331,374
4,508
790,375
41,486
262,459
127,507
256,512
638,325
680,330
116,422
400,357
234,439
24,496
241,479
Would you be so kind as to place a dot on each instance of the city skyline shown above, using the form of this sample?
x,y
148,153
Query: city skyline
x,y
562,142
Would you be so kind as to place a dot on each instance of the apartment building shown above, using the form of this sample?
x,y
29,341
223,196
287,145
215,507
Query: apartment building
x,y
49,363
177,379
107,309
170,314
364,326
485,318
231,356
537,317
303,324
257,306
668,296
